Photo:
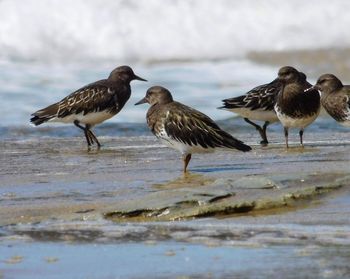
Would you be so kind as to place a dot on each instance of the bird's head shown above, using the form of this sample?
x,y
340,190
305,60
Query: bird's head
x,y
156,95
124,73
328,83
288,74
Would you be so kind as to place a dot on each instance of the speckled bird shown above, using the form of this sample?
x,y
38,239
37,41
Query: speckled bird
x,y
335,97
294,107
256,104
91,104
184,128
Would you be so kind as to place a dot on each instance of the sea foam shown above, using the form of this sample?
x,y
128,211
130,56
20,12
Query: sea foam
x,y
148,30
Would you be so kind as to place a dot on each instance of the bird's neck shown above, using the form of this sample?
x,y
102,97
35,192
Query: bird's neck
x,y
290,90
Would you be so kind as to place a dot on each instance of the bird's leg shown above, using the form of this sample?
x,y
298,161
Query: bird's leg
x,y
89,142
186,160
301,132
286,136
262,131
92,136
264,136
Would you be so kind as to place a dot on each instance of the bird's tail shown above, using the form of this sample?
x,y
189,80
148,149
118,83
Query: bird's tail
x,y
44,115
231,142
233,103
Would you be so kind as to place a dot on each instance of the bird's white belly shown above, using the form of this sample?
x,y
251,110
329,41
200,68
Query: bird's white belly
x,y
346,123
290,122
258,114
92,118
185,148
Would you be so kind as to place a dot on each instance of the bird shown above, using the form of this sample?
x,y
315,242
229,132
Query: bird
x,y
91,104
294,107
184,128
335,97
256,104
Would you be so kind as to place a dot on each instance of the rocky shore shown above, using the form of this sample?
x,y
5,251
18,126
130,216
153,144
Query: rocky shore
x,y
133,191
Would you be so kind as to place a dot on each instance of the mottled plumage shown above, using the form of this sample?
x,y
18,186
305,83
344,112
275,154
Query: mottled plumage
x,y
335,97
294,107
184,128
91,104
256,104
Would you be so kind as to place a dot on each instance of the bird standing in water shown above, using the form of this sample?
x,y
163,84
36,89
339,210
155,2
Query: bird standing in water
x,y
184,128
335,97
294,107
91,104
256,104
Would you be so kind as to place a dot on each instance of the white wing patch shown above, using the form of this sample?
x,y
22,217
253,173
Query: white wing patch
x,y
258,114
91,118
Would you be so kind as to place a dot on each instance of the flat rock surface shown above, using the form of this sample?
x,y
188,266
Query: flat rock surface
x,y
55,177
227,196
291,206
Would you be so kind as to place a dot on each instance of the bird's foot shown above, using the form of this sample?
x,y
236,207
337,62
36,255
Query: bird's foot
x,y
264,142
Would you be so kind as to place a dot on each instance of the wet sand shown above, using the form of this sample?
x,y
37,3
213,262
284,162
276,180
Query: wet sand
x,y
57,201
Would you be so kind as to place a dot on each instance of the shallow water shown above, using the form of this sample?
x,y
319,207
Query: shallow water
x,y
315,241
202,60
172,260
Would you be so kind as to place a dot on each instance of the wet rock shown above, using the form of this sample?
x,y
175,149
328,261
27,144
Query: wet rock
x,y
249,182
226,196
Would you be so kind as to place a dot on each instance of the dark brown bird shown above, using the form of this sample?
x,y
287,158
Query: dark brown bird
x,y
256,104
91,104
184,128
294,107
335,98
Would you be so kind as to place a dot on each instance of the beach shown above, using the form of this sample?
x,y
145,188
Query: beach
x,y
127,210
131,201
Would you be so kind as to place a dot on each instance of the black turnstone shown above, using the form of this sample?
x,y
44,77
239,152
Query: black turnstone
x,y
91,104
335,97
294,107
184,128
256,104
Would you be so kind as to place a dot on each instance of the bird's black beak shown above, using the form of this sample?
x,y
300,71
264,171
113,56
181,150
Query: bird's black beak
x,y
142,101
139,78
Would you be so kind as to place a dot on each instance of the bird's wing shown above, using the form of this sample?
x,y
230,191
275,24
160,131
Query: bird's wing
x,y
346,104
261,97
192,127
91,98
